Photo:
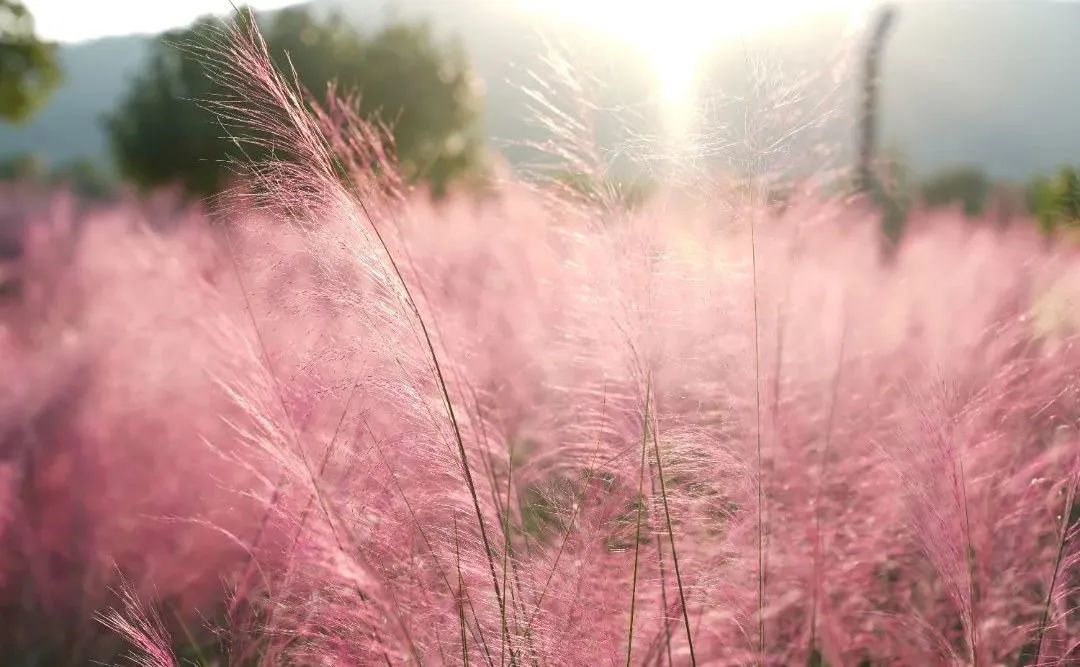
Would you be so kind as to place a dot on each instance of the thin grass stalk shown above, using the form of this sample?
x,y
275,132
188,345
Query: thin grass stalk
x,y
294,433
663,584
516,592
671,539
330,448
637,531
350,188
973,625
488,463
460,604
275,497
751,168
573,516
822,467
192,643
431,550
1063,540
506,542
759,457
450,413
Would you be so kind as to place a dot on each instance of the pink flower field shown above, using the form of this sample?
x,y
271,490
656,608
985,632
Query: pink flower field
x,y
333,423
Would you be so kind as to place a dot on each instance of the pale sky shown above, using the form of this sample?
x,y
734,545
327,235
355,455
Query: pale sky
x,y
636,20
73,20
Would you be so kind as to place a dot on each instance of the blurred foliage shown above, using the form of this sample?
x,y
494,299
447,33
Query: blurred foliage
x,y
28,67
1055,200
889,189
22,167
894,207
424,90
84,177
966,186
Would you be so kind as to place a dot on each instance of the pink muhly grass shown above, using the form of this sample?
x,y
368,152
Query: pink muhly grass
x,y
1066,558
420,433
143,629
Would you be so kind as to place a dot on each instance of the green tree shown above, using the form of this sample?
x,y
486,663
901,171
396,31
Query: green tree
x,y
968,186
422,89
28,67
1055,201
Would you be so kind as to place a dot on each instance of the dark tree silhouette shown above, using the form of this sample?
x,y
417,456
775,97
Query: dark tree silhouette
x,y
869,103
965,185
162,132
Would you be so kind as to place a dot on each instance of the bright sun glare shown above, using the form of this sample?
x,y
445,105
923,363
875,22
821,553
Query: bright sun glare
x,y
676,34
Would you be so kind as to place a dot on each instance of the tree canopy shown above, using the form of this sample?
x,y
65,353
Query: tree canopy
x,y
421,88
1055,200
965,185
28,68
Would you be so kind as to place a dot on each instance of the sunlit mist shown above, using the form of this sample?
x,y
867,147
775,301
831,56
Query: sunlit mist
x,y
676,34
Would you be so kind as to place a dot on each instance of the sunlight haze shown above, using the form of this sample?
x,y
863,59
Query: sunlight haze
x,y
676,34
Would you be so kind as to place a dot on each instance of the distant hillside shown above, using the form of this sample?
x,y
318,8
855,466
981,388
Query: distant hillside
x,y
964,82
96,73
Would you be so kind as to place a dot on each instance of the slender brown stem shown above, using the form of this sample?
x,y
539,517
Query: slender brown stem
x,y
637,531
573,517
663,585
449,405
671,539
819,491
506,542
1063,540
431,550
460,605
760,458
973,629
